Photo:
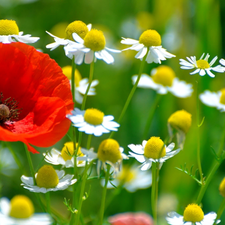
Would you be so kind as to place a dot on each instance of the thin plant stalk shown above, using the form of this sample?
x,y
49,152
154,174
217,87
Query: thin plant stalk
x,y
73,85
154,193
150,115
131,93
91,74
214,168
220,210
102,209
48,203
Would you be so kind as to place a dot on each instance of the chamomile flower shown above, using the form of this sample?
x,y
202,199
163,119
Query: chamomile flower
x,y
77,26
9,32
131,178
193,215
20,211
110,152
93,121
65,157
180,121
149,43
153,150
90,48
48,179
81,84
214,99
163,80
201,66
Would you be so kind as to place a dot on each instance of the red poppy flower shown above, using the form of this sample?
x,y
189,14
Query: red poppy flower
x,y
35,97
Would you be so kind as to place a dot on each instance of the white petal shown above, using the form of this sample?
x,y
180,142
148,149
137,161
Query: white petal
x,y
129,41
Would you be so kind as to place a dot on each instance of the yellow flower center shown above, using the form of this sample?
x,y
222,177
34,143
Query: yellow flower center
x,y
68,151
163,75
8,27
93,116
222,97
95,40
222,187
78,27
193,213
67,71
180,120
155,148
47,177
150,38
21,207
126,175
109,150
202,64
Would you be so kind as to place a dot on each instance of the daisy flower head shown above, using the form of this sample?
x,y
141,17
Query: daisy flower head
x,y
193,215
201,66
65,157
214,99
90,48
109,151
164,80
48,179
131,178
76,26
222,187
93,121
153,150
20,211
80,84
180,121
9,32
149,45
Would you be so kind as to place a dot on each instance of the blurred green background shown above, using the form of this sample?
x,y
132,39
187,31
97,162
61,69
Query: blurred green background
x,y
187,28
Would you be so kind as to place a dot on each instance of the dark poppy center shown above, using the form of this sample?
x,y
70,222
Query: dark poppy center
x,y
4,112
8,109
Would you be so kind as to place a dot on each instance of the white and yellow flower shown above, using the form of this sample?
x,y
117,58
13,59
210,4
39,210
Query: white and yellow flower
x,y
153,150
90,48
9,32
76,26
149,43
20,211
193,215
65,157
201,66
163,80
93,121
81,84
214,99
110,152
131,178
48,179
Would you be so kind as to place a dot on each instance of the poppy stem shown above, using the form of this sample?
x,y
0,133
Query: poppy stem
x,y
30,164
89,84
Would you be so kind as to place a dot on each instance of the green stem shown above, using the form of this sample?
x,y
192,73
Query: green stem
x,y
150,116
48,203
84,179
102,209
220,210
154,193
214,168
89,84
30,163
198,136
89,141
131,93
73,85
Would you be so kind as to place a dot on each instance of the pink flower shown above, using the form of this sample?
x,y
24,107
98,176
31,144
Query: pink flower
x,y
131,219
